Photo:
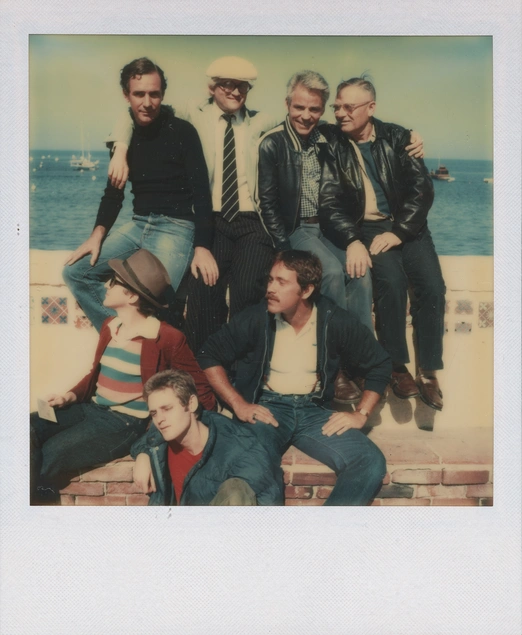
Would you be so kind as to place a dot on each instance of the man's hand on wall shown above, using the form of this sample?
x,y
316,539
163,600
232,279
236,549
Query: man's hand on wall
x,y
142,474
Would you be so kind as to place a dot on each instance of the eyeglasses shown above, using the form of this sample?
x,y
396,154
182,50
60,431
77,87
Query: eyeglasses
x,y
348,108
230,86
114,280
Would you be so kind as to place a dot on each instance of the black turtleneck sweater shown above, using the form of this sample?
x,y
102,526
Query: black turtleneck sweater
x,y
169,176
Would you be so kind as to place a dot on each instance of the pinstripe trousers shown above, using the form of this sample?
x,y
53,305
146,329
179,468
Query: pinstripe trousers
x,y
244,254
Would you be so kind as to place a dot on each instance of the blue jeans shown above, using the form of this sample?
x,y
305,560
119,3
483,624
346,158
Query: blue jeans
x,y
348,293
358,463
86,435
169,239
414,263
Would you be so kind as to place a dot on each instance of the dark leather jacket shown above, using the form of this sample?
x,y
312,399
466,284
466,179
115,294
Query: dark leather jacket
x,y
278,192
404,179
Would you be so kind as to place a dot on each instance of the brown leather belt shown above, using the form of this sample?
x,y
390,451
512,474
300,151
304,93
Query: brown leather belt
x,y
310,220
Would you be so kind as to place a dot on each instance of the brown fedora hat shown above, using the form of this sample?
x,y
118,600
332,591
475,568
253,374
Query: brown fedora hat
x,y
144,273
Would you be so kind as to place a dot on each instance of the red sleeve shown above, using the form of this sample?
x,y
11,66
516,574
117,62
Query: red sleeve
x,y
177,354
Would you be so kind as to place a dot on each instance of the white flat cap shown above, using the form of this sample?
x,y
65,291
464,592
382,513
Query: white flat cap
x,y
232,68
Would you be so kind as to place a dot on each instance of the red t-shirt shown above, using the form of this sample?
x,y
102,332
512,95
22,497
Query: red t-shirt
x,y
181,462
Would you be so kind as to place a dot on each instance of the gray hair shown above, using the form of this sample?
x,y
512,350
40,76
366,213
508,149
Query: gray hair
x,y
363,82
311,81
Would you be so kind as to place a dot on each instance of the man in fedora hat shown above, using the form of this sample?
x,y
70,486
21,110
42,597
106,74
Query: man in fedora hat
x,y
172,206
242,247
100,418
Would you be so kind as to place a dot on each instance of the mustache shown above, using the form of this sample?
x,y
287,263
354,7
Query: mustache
x,y
270,296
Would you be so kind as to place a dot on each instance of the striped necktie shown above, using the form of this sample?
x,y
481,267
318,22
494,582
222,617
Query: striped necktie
x,y
230,193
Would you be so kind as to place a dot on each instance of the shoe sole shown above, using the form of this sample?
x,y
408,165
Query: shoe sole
x,y
430,404
347,402
417,394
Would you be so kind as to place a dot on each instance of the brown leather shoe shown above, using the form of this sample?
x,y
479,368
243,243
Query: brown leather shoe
x,y
430,391
403,385
346,392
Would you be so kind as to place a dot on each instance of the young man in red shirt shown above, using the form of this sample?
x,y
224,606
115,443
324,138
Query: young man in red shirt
x,y
190,457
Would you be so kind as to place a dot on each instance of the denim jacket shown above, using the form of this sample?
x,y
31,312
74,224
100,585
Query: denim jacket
x,y
232,451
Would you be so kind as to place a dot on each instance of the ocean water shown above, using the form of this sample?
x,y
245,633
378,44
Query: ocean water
x,y
64,203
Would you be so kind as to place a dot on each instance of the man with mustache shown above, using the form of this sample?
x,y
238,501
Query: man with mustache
x,y
288,350
297,185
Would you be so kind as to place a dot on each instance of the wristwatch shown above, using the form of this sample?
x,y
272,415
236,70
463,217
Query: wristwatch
x,y
363,411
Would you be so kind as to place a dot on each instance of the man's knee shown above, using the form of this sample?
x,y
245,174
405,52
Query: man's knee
x,y
234,491
375,464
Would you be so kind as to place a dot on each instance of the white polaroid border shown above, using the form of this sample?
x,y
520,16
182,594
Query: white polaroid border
x,y
296,571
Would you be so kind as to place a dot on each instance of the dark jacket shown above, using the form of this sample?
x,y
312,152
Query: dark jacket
x,y
404,179
169,177
232,451
341,339
278,192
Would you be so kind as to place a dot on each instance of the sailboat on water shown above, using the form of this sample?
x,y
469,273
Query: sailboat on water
x,y
83,162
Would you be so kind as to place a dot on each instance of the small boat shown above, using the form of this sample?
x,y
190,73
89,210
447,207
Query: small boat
x,y
441,174
488,180
83,162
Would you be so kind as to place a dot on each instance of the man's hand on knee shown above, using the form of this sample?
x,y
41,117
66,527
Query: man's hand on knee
x,y
91,246
383,242
339,422
357,259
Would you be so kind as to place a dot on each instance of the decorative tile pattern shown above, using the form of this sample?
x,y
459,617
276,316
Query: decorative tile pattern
x,y
54,310
464,306
462,327
82,322
485,318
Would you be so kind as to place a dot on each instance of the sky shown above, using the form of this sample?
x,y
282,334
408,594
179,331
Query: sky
x,y
440,86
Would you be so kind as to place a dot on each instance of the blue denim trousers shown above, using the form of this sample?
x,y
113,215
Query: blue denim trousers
x,y
348,293
169,239
358,463
414,263
86,435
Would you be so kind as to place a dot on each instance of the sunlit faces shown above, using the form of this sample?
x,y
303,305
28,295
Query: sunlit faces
x,y
117,294
305,110
284,294
145,97
357,122
169,415
230,101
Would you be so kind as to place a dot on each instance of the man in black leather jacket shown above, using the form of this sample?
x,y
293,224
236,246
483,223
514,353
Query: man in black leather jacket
x,y
382,223
297,178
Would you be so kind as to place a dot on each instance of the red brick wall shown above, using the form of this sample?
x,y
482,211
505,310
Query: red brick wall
x,y
308,482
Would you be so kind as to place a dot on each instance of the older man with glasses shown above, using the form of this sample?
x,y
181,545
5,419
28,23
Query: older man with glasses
x,y
388,195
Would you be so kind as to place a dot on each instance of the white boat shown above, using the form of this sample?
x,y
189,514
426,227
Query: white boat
x,y
84,161
488,180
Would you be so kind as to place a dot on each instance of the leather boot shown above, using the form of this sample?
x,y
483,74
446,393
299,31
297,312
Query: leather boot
x,y
346,392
